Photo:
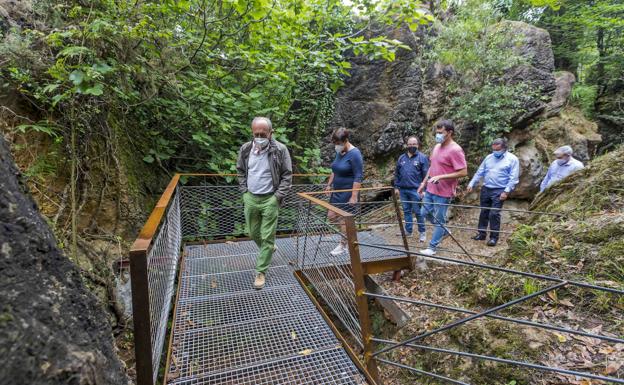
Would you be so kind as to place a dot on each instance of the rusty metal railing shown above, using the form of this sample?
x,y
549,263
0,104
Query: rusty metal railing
x,y
188,200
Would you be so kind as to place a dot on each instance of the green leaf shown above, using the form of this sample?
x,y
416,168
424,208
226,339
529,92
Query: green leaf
x,y
148,159
96,90
74,51
76,77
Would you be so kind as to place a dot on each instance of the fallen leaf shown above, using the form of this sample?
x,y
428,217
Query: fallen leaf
x,y
213,284
553,295
305,352
561,337
566,302
293,335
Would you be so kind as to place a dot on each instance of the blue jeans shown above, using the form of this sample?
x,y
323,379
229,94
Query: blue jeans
x,y
411,204
436,214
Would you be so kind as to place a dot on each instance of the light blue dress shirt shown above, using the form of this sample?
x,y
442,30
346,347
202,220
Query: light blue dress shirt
x,y
500,172
556,172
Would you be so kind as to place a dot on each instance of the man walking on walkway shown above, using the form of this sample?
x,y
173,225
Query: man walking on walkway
x,y
563,166
500,171
265,178
410,171
448,164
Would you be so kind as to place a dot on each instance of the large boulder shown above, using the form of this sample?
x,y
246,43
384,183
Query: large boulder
x,y
52,329
534,45
381,101
564,82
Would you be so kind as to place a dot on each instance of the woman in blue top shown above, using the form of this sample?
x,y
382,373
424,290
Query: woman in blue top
x,y
347,171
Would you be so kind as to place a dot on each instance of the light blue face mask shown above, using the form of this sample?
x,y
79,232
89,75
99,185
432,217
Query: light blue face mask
x,y
499,153
439,138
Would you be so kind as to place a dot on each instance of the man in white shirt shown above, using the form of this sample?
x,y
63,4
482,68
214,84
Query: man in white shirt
x,y
563,166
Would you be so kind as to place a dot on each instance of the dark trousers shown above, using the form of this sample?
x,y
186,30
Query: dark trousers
x,y
490,198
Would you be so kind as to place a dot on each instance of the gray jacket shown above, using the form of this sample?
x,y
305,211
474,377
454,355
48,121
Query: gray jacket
x,y
279,161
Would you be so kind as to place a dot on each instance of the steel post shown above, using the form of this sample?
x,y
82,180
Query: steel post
x,y
397,274
360,298
141,317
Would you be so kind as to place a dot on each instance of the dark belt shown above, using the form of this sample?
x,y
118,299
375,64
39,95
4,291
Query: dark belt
x,y
262,195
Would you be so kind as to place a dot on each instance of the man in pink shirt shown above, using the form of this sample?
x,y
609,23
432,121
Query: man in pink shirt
x,y
448,164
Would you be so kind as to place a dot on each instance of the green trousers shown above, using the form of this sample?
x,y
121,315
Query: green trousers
x,y
261,219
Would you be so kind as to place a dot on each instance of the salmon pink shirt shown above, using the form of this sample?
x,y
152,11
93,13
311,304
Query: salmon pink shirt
x,y
446,160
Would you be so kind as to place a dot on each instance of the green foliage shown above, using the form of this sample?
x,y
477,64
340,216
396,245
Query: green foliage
x,y
584,97
185,78
588,40
478,48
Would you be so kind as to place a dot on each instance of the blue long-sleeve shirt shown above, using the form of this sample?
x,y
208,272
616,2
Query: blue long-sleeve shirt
x,y
347,169
556,172
410,171
503,172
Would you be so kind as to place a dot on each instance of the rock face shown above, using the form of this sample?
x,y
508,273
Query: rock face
x,y
534,45
564,82
381,102
52,330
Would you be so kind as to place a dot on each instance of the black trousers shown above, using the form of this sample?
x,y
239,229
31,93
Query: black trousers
x,y
490,198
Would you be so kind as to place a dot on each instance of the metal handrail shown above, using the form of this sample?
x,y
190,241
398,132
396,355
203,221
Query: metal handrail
x,y
138,256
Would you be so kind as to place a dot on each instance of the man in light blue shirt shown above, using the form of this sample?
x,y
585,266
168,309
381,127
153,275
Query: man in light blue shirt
x,y
563,166
500,171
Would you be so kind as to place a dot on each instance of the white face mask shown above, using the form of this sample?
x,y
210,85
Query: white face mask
x,y
261,142
339,147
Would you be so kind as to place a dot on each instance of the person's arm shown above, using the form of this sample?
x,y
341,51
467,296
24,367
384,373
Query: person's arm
x,y
546,180
285,176
423,184
425,167
329,183
396,172
514,177
357,164
477,176
241,171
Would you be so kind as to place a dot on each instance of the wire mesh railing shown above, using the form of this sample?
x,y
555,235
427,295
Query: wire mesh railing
x,y
372,218
211,206
154,261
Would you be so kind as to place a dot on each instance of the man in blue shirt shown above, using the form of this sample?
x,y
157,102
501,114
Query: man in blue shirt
x,y
500,171
410,171
563,166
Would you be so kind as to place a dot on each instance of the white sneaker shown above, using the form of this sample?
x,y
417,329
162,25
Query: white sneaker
x,y
427,251
338,250
422,237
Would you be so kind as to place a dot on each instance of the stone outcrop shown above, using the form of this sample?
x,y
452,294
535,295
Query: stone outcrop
x,y
381,101
52,329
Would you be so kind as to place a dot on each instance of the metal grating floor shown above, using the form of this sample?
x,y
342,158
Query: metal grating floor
x,y
225,332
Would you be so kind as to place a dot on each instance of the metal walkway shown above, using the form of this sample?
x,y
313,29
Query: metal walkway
x,y
225,332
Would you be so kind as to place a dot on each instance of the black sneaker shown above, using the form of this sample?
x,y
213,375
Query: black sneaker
x,y
492,242
479,237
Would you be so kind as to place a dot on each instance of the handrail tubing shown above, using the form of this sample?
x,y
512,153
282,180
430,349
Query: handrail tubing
x,y
507,361
470,318
497,268
494,316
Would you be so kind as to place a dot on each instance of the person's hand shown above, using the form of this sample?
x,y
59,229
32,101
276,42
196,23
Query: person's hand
x,y
435,179
504,196
421,188
327,190
469,189
353,199
396,191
